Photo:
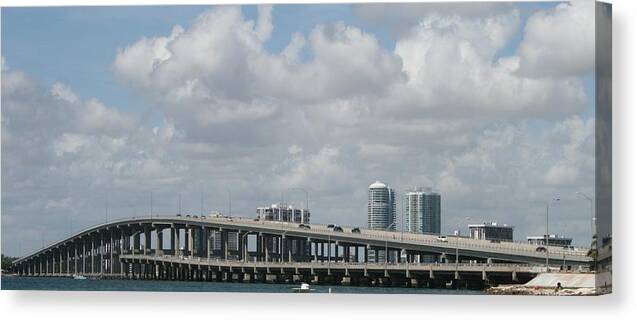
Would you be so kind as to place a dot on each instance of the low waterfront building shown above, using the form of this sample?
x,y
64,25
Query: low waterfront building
x,y
491,231
556,240
284,213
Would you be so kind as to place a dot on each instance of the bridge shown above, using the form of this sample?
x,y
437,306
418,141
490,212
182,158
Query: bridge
x,y
242,249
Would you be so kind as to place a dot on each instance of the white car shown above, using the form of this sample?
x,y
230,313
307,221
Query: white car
x,y
442,238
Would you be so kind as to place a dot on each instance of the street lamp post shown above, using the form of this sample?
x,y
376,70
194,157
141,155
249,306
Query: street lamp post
x,y
229,202
546,237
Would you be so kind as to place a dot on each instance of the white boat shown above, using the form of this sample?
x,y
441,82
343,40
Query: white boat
x,y
305,288
78,277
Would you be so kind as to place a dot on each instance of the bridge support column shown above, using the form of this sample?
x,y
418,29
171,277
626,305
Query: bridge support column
x,y
336,248
264,242
75,258
136,241
111,260
207,236
191,243
289,246
101,251
176,241
92,255
147,240
159,241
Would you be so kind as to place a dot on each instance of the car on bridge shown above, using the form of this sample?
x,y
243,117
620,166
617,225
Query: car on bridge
x,y
305,227
338,229
442,238
356,230
540,249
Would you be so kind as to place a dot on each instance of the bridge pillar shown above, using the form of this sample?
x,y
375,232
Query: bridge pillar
x,y
190,247
61,260
336,251
246,253
207,237
159,234
93,255
68,259
289,246
224,241
147,240
277,248
101,251
177,241
111,260
265,247
136,242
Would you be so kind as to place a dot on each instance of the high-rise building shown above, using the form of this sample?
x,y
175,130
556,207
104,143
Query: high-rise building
x,y
284,213
422,211
381,207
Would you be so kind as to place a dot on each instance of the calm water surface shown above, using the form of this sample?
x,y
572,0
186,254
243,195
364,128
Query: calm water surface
x,y
69,284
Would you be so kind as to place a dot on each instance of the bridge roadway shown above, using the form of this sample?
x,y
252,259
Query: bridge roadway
x,y
102,249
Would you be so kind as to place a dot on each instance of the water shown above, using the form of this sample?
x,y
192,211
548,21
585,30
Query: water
x,y
69,284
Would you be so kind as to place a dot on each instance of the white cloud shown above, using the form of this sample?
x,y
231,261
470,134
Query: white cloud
x,y
561,175
559,41
62,91
453,68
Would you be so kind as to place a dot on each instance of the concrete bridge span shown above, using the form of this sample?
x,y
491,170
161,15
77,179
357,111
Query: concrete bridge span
x,y
112,248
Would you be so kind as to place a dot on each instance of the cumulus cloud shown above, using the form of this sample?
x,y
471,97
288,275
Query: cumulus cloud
x,y
559,41
452,66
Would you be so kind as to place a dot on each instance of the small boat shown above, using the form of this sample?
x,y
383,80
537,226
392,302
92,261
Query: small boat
x,y
305,288
79,277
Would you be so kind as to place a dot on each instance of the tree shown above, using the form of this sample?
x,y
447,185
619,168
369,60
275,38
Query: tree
x,y
7,262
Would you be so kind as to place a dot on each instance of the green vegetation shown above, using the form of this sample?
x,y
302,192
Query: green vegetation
x,y
7,262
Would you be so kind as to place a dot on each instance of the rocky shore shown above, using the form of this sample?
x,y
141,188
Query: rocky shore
x,y
560,284
525,290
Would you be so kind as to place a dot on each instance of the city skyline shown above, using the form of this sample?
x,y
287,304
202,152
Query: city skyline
x,y
221,103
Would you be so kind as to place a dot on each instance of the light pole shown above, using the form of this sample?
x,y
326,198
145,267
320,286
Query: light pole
x,y
106,209
179,204
229,202
546,237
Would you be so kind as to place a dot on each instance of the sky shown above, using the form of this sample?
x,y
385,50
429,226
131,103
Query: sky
x,y
491,104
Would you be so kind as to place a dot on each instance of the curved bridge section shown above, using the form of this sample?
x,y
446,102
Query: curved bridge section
x,y
113,248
